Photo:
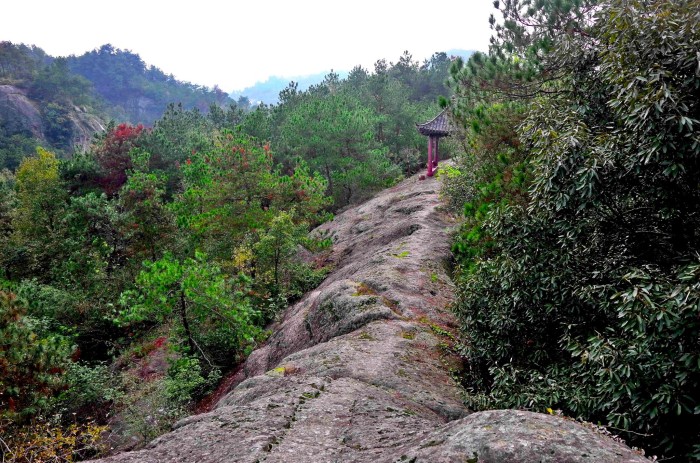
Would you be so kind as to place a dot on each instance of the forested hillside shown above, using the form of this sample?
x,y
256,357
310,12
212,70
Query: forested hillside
x,y
43,103
60,103
579,260
136,272
179,239
136,92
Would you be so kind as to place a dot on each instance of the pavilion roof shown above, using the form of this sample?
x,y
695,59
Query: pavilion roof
x,y
439,125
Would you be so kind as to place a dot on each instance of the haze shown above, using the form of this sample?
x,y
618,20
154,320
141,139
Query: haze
x,y
236,44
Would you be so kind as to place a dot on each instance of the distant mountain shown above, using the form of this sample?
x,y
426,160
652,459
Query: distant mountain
x,y
268,91
465,54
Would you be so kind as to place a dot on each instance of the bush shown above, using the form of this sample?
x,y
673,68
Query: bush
x,y
149,406
87,387
587,298
146,412
44,442
186,382
491,173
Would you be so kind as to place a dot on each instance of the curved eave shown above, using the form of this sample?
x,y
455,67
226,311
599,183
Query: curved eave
x,y
433,132
438,126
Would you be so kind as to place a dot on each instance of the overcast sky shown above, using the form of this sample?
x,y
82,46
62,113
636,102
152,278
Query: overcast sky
x,y
235,44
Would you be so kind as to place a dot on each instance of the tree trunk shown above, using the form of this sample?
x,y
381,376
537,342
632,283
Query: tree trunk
x,y
185,322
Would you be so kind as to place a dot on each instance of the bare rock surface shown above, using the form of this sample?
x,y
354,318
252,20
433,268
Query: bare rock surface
x,y
19,113
24,113
357,371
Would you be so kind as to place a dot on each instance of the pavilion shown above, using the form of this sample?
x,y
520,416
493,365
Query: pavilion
x,y
434,129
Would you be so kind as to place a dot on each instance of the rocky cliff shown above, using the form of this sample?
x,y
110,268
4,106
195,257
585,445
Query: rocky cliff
x,y
20,114
359,369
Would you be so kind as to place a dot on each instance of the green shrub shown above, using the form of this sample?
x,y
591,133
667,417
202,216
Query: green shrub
x,y
588,296
186,381
87,386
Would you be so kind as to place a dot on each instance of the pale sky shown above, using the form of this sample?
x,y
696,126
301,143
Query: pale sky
x,y
235,44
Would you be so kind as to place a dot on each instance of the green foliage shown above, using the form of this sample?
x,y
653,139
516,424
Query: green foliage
x,y
58,84
185,381
229,118
646,366
73,250
19,63
359,132
258,123
147,411
331,132
518,65
176,134
90,239
275,248
7,206
14,146
234,189
87,386
59,128
148,407
37,185
587,298
31,360
491,174
147,224
212,314
73,94
40,200
48,303
195,228
47,107
278,270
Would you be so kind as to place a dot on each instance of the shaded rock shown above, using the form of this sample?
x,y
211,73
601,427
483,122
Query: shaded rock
x,y
343,308
18,113
514,436
85,125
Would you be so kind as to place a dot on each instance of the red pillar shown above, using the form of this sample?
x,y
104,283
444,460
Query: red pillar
x,y
435,152
430,156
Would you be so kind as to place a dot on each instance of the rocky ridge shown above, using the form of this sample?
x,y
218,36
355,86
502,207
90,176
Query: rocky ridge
x,y
359,369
